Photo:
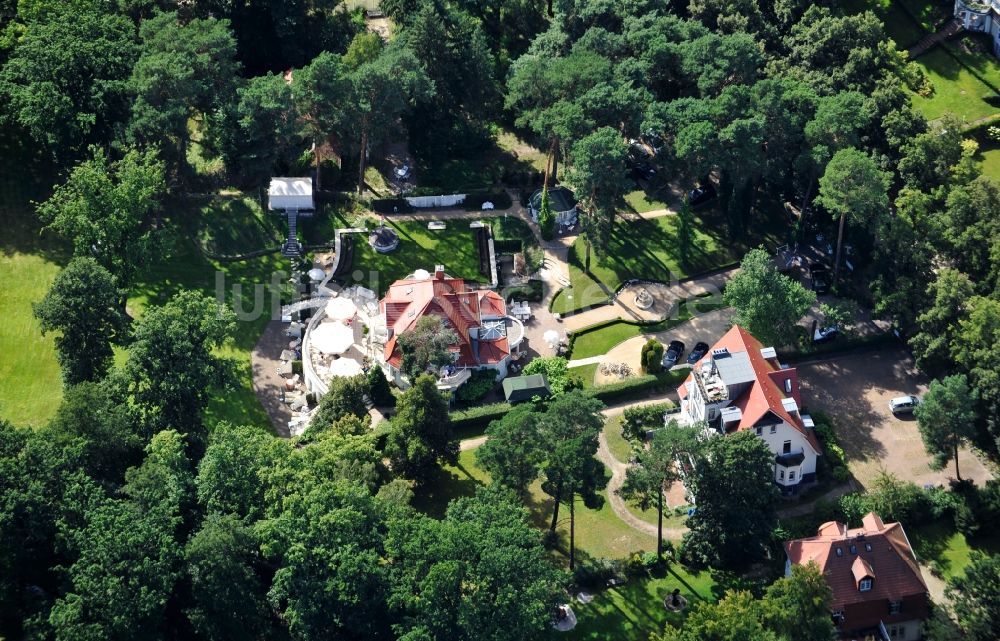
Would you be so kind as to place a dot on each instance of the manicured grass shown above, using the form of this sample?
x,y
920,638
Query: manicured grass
x,y
989,154
30,383
585,373
640,201
235,225
635,610
958,90
599,341
599,532
940,546
621,447
419,248
645,249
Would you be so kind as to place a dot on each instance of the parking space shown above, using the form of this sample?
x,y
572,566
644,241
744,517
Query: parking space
x,y
855,390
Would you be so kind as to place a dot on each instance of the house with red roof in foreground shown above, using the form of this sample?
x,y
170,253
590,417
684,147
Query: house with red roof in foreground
x,y
878,591
487,337
740,385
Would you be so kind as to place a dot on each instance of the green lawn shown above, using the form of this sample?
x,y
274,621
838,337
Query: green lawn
x,y
646,249
957,90
621,448
641,201
238,224
635,610
30,384
940,546
599,532
419,248
596,342
989,154
585,373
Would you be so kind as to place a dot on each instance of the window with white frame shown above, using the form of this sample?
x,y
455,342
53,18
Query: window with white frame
x,y
865,585
791,475
895,607
781,475
774,428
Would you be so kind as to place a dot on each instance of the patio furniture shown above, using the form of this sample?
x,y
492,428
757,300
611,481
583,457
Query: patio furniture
x,y
436,225
284,368
287,355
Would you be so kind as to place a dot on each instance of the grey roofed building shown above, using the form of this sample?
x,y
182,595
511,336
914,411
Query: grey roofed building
x,y
524,388
562,202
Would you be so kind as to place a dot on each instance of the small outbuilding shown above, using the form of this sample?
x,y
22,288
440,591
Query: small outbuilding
x,y
524,388
562,202
285,194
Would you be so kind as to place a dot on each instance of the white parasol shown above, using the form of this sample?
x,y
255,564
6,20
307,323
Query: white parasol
x,y
317,274
341,308
345,367
332,338
551,337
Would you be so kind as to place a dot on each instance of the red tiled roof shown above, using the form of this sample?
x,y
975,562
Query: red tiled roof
x,y
889,562
408,300
767,391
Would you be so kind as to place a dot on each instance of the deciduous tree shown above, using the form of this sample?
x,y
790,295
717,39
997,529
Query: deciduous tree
x,y
975,597
768,304
426,347
420,433
514,449
84,306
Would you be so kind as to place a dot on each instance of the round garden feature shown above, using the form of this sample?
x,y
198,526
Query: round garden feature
x,y
383,240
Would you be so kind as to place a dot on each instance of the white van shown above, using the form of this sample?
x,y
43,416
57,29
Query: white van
x,y
903,404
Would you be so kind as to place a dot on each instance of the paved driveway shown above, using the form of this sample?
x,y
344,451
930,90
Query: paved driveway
x,y
855,391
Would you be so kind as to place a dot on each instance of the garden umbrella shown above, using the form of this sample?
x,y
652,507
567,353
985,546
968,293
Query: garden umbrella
x,y
341,308
332,338
345,367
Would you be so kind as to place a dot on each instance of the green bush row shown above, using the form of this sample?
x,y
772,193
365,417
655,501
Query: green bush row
x,y
479,416
838,345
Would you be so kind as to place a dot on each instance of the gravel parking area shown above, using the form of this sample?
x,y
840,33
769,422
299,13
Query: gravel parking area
x,y
855,391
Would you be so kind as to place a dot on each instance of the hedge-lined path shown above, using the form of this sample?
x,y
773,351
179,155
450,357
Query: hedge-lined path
x,y
666,300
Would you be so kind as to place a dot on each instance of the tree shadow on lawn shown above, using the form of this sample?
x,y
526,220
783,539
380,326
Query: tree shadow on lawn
x,y
444,486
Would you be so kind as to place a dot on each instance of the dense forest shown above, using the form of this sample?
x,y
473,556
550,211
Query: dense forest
x,y
131,516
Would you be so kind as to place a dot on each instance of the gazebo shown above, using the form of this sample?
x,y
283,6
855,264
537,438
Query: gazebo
x,y
562,202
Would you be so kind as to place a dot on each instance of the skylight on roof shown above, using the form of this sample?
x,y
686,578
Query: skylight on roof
x,y
493,330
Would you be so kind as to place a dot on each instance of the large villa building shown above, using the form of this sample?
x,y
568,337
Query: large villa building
x,y
983,17
740,385
878,591
487,336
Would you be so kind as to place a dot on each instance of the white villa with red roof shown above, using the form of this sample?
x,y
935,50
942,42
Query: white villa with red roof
x,y
878,591
740,385
487,336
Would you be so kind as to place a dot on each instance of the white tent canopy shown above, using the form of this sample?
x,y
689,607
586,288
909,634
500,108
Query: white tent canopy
x,y
345,367
341,308
332,338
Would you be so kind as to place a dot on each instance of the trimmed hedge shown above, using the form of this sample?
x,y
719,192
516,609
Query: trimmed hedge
x,y
837,346
391,206
507,246
479,416
474,200
530,291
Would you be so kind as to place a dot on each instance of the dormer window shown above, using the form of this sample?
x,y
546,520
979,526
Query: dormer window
x,y
868,547
854,549
840,551
865,585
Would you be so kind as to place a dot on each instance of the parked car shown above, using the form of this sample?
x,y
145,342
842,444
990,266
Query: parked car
x,y
826,334
904,404
700,349
402,172
673,354
820,278
701,195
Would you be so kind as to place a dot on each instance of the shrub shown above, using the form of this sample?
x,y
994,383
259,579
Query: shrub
x,y
530,291
297,367
478,386
627,388
378,388
479,416
474,200
594,574
546,221
391,206
651,356
636,420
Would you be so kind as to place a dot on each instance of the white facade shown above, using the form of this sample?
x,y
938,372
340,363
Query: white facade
x,y
290,193
741,387
983,17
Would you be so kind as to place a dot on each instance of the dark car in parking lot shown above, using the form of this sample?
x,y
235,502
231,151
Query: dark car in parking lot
x,y
700,349
819,277
702,194
673,354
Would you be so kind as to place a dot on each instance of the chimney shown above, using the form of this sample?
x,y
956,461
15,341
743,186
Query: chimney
x,y
439,272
